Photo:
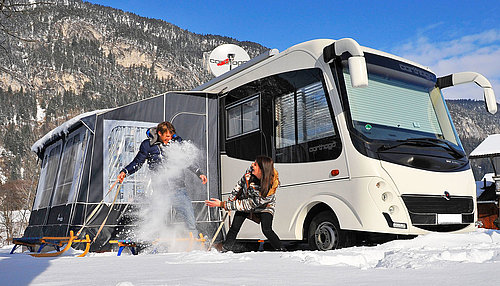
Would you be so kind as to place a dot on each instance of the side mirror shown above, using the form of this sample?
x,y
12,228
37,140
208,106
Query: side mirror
x,y
468,77
490,100
357,69
356,60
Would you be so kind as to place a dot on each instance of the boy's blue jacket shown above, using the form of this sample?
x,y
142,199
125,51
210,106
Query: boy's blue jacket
x,y
150,151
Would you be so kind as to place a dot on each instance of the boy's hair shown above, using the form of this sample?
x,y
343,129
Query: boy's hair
x,y
165,126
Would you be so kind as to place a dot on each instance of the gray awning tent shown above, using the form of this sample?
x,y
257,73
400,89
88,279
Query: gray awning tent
x,y
81,158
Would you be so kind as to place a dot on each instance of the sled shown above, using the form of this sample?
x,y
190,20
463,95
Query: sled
x,y
123,243
192,241
57,242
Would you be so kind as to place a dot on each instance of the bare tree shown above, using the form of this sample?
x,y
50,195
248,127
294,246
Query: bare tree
x,y
15,200
9,8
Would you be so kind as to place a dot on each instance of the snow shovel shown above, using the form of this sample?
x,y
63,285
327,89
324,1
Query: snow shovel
x,y
96,209
110,209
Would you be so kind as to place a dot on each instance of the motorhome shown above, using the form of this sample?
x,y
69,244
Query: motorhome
x,y
362,140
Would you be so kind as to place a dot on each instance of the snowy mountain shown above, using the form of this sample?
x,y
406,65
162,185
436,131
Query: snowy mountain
x,y
78,57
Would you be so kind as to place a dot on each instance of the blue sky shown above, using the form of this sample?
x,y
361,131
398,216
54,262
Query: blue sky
x,y
447,36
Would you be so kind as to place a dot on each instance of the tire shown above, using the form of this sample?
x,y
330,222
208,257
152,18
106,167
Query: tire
x,y
325,233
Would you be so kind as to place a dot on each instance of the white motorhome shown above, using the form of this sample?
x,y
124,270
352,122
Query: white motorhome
x,y
363,142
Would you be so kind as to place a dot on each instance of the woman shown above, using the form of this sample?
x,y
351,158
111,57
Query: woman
x,y
253,198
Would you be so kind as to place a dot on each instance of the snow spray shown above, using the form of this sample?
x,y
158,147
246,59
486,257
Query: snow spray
x,y
163,215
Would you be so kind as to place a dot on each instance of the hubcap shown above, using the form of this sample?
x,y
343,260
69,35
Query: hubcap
x,y
325,236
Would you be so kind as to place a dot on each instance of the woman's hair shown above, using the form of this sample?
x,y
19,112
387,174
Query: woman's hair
x,y
266,165
165,126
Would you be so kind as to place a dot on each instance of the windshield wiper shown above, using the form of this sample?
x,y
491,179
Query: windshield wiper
x,y
437,141
424,142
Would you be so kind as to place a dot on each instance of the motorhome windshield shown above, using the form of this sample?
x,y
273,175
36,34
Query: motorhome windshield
x,y
399,104
400,109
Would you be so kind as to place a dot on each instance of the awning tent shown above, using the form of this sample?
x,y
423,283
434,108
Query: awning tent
x,y
81,159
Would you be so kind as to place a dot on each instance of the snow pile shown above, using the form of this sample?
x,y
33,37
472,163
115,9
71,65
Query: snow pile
x,y
62,129
490,147
414,254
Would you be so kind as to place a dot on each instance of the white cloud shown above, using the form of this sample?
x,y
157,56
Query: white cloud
x,y
476,52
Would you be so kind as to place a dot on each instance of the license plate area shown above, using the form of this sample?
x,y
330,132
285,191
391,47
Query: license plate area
x,y
449,218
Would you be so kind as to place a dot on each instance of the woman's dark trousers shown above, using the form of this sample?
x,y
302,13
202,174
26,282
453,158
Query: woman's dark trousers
x,y
266,222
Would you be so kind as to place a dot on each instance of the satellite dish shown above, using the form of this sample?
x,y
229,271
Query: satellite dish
x,y
226,57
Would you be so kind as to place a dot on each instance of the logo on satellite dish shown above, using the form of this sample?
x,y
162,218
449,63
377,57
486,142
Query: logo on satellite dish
x,y
226,57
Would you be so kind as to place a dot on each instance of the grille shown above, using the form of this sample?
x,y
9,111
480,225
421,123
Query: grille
x,y
417,204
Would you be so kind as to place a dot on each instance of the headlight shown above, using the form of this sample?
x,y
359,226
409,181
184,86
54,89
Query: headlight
x,y
393,209
386,196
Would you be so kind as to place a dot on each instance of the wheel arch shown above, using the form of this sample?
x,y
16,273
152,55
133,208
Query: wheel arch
x,y
314,211
341,210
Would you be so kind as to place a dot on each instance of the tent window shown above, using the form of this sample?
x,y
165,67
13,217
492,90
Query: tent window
x,y
71,167
123,144
243,117
47,176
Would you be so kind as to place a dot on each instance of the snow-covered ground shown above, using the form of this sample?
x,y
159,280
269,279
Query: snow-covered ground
x,y
434,259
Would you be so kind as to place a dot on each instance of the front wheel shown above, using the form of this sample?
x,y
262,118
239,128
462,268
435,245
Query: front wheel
x,y
325,233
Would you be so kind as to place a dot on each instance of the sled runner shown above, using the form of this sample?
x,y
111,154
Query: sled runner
x,y
57,242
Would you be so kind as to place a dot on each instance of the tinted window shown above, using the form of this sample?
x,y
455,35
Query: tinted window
x,y
243,117
304,130
295,118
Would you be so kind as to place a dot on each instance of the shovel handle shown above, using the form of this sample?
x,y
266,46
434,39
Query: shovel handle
x,y
217,232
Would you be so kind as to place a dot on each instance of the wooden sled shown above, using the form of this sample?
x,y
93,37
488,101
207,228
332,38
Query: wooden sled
x,y
56,242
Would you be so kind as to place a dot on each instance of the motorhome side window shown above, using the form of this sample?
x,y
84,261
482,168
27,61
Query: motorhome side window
x,y
243,117
295,117
304,129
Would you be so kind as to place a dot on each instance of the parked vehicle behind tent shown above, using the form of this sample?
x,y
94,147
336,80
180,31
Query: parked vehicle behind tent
x,y
488,200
